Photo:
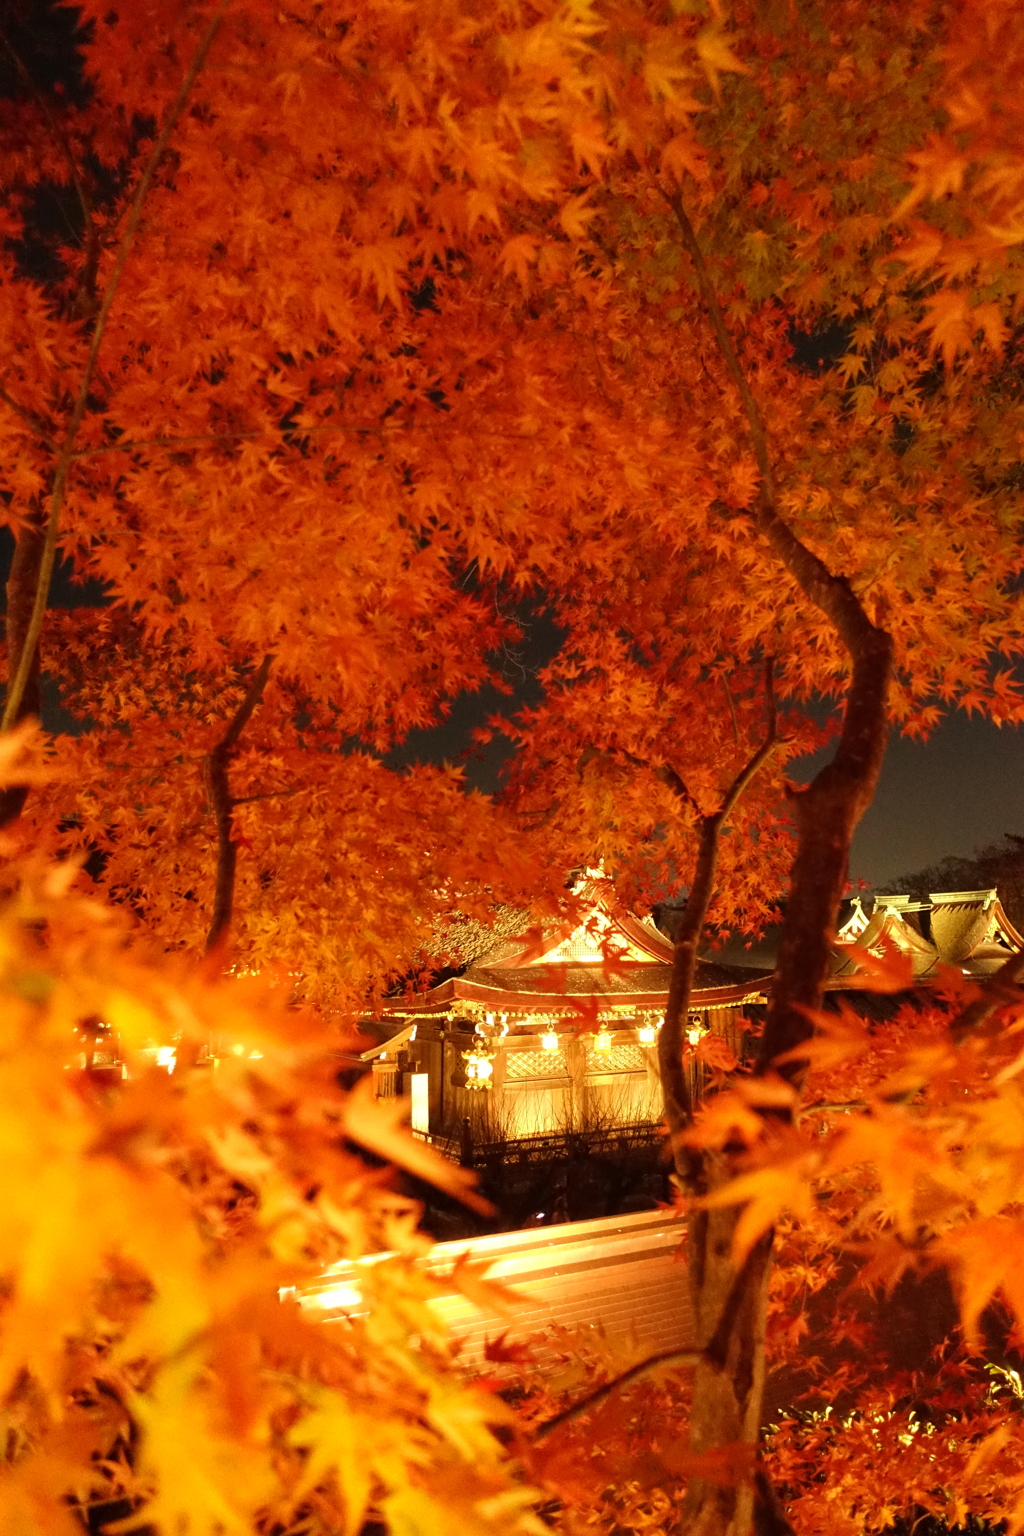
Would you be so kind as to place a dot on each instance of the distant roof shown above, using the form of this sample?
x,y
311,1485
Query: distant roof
x,y
619,960
966,929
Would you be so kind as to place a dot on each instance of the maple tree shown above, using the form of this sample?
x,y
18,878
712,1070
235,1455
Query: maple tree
x,y
151,1220
367,299
299,389
716,223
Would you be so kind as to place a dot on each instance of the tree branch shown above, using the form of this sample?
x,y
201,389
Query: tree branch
x,y
35,421
26,661
600,1394
732,710
677,784
664,771
274,794
674,1083
21,586
771,741
828,810
844,1107
218,789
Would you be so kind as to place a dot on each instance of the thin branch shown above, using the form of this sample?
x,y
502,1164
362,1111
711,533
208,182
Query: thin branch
x,y
732,710
219,792
664,771
1002,987
725,343
675,1085
828,810
275,794
600,1394
16,687
37,422
764,751
368,429
846,1107
833,595
243,714
198,439
677,784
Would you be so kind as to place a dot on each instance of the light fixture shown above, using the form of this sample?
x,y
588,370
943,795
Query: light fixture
x,y
647,1034
602,1041
695,1032
549,1040
479,1068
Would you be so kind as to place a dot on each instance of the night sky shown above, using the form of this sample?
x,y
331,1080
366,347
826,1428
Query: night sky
x,y
952,794
949,795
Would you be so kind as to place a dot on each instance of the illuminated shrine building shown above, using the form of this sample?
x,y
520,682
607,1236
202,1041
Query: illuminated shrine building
x,y
538,1037
559,1035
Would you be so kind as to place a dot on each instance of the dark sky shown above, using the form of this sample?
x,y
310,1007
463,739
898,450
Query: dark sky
x,y
962,788
950,795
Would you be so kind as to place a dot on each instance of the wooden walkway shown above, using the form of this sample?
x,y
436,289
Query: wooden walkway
x,y
620,1274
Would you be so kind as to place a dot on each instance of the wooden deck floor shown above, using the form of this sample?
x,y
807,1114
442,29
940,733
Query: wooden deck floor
x,y
621,1274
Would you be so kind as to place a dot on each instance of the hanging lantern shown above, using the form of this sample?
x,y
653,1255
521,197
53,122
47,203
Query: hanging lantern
x,y
647,1034
549,1040
602,1041
479,1068
695,1031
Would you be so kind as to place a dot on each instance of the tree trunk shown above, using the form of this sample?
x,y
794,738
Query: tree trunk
x,y
21,592
729,1308
222,804
827,812
729,1304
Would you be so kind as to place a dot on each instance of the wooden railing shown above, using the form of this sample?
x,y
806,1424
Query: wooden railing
x,y
558,1146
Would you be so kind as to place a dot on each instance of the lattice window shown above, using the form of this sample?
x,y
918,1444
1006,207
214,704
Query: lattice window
x,y
385,1079
621,1058
520,1064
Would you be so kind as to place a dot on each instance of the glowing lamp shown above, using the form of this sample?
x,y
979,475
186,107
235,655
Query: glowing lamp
x,y
602,1042
549,1040
647,1034
695,1032
479,1068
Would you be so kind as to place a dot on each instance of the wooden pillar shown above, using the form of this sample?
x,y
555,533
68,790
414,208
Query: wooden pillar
x,y
576,1092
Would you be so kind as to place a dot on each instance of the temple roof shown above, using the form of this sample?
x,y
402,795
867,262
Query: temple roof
x,y
966,929
601,939
624,962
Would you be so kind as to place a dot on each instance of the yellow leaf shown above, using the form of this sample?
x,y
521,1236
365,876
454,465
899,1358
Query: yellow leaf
x,y
574,215
380,1125
518,255
765,1194
716,56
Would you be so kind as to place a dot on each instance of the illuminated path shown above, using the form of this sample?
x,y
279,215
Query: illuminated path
x,y
620,1273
